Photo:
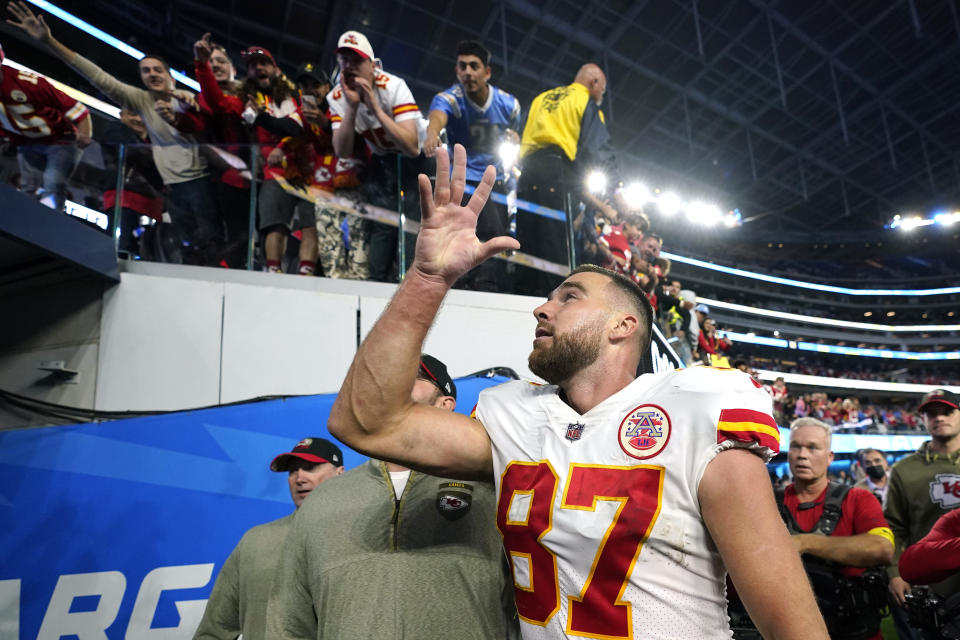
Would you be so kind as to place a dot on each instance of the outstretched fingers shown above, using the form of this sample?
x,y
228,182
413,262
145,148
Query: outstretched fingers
x,y
441,194
493,246
482,193
459,179
426,196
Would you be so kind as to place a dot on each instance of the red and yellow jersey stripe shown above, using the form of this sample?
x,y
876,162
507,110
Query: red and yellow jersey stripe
x,y
748,425
404,108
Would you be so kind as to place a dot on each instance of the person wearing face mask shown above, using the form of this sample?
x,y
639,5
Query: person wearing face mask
x,y
875,466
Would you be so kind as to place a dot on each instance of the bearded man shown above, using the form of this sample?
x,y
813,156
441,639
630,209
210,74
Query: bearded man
x,y
622,501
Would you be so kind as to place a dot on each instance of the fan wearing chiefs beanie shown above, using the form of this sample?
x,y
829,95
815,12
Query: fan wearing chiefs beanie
x,y
238,602
400,550
925,485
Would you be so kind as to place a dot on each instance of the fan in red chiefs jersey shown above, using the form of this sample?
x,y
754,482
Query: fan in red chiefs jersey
x,y
49,129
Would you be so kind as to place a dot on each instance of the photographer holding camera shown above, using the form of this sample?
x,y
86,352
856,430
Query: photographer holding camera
x,y
841,534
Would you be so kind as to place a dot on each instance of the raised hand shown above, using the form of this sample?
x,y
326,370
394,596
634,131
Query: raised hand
x,y
365,93
164,108
203,48
26,20
447,246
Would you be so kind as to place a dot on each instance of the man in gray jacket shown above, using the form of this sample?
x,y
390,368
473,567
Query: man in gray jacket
x,y
192,199
238,602
390,553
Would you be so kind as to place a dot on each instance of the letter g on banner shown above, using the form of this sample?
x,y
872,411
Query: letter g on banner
x,y
167,579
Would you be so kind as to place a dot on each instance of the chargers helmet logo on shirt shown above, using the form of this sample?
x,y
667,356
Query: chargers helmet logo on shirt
x,y
644,432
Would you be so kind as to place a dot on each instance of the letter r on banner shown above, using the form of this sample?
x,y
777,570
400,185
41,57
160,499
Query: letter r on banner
x,y
86,625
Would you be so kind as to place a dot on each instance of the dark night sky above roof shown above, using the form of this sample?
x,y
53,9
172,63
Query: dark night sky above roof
x,y
817,119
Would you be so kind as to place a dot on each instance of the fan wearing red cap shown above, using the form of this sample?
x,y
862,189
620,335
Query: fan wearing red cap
x,y
925,485
238,602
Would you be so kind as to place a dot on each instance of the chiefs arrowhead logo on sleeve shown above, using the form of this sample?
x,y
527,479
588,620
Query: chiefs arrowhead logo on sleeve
x,y
747,425
644,432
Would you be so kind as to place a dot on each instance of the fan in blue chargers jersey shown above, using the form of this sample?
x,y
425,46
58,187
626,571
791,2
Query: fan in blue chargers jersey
x,y
481,117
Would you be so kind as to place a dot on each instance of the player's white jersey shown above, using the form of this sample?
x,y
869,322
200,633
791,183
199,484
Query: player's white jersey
x,y
395,98
599,512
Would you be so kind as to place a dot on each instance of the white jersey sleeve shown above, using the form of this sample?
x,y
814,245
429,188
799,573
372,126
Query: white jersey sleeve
x,y
394,97
599,512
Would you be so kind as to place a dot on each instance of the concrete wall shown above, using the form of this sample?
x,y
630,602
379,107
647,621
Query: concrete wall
x,y
172,337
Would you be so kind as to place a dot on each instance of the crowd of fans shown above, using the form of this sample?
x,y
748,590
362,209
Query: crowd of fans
x,y
334,160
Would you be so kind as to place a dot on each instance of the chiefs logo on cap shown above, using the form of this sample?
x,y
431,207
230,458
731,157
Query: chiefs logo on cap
x,y
350,39
644,432
306,442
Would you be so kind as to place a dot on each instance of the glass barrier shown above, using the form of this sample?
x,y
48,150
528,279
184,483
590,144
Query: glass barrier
x,y
231,207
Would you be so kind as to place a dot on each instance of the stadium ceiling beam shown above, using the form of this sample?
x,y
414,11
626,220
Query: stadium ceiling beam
x,y
830,130
554,67
524,7
564,29
707,68
257,27
820,50
436,38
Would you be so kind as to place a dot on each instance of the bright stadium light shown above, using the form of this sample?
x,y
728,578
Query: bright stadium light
x,y
947,219
669,203
704,213
732,218
636,195
508,154
596,182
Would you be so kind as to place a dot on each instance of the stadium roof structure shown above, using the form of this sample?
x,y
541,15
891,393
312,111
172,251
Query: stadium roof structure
x,y
817,120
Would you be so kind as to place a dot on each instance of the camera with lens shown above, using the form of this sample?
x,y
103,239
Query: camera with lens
x,y
938,618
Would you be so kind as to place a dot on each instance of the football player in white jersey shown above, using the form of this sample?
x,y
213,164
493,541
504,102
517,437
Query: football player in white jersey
x,y
623,501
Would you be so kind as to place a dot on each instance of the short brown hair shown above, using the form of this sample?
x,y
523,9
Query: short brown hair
x,y
635,295
153,56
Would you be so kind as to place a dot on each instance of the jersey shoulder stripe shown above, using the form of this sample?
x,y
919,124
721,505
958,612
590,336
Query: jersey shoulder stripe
x,y
748,425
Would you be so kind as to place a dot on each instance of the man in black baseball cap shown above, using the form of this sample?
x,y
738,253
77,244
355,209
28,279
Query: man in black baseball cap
x,y
940,396
311,462
435,372
238,602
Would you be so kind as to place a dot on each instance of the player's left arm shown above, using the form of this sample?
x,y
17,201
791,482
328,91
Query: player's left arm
x,y
737,504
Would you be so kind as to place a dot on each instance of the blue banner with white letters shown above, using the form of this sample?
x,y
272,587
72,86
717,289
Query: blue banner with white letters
x,y
118,529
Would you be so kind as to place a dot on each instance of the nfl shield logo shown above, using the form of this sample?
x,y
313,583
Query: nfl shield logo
x,y
574,431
